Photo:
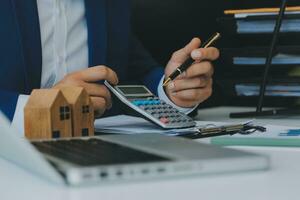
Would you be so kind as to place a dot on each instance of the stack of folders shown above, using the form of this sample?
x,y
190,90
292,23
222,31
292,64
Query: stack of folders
x,y
262,20
250,32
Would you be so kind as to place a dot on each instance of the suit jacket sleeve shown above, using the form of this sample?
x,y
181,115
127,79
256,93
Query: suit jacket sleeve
x,y
143,67
8,102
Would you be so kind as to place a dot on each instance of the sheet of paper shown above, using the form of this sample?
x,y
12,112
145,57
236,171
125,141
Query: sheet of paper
x,y
274,136
134,125
274,131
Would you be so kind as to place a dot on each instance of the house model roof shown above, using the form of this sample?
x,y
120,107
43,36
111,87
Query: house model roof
x,y
43,98
72,94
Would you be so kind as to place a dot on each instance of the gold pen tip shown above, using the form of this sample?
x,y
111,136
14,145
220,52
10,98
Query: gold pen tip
x,y
166,82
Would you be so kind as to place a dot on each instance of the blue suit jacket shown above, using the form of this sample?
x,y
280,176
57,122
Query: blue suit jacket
x,y
109,39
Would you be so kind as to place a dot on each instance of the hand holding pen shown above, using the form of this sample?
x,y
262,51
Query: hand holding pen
x,y
189,73
189,62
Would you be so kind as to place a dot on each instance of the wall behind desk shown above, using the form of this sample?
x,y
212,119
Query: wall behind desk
x,y
164,26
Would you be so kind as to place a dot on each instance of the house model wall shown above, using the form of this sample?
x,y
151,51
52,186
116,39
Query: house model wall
x,y
53,113
82,111
47,115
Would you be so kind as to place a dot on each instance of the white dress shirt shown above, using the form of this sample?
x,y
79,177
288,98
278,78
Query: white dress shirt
x,y
64,41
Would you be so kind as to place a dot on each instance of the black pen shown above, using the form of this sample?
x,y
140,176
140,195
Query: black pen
x,y
190,61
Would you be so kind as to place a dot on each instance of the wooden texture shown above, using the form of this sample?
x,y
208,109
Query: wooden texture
x,y
82,111
42,115
260,10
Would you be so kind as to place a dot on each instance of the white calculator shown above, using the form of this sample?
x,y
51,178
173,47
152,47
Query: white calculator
x,y
143,102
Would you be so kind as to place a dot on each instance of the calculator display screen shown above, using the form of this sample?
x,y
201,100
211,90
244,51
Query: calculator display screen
x,y
134,90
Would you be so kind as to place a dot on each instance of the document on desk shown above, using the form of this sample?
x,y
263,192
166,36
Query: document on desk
x,y
274,136
124,124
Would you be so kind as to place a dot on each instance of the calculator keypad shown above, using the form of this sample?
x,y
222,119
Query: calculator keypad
x,y
165,113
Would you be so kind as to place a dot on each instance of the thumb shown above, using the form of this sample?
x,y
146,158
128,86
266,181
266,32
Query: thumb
x,y
181,55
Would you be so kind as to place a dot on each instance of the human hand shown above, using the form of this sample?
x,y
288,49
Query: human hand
x,y
88,79
195,84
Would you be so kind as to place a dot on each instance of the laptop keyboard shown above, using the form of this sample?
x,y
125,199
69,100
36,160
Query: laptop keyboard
x,y
93,152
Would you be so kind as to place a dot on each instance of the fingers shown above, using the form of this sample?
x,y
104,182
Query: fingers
x,y
95,74
95,90
181,55
187,84
204,68
99,105
193,95
99,93
191,102
210,53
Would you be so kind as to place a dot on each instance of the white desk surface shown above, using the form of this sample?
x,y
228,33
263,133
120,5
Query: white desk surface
x,y
281,182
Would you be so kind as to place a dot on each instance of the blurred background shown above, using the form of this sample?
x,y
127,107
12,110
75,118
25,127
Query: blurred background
x,y
164,26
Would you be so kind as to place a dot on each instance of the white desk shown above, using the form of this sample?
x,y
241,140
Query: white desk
x,y
281,182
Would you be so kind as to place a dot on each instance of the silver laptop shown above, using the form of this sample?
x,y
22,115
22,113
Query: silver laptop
x,y
121,158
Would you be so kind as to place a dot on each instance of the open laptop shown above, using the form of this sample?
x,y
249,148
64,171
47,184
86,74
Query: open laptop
x,y
120,158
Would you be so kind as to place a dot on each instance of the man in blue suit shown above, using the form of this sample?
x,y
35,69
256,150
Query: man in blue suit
x,y
49,43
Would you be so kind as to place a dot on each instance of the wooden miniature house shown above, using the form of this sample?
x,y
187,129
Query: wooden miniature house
x,y
82,111
47,115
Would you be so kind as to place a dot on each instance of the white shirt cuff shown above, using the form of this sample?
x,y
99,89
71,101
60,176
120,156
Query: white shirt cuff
x,y
18,120
163,96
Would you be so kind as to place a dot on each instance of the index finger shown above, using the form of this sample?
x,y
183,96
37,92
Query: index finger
x,y
98,73
210,53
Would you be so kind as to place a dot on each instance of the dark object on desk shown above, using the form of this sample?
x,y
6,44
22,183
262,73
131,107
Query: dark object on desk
x,y
244,129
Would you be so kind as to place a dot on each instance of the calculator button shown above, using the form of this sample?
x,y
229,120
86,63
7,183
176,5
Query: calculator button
x,y
156,102
157,116
164,120
146,103
172,121
159,102
149,110
137,103
152,107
